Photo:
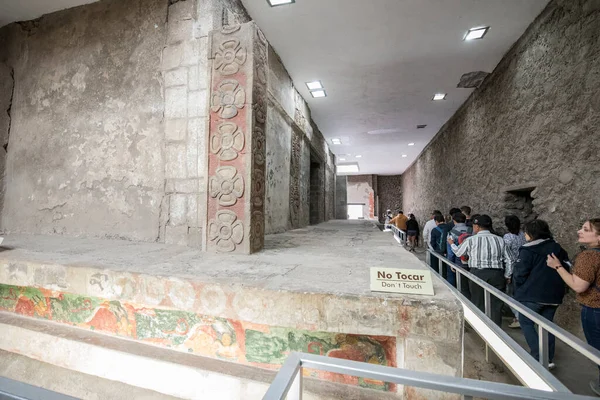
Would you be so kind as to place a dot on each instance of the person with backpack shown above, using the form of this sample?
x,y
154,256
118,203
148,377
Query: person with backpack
x,y
436,243
459,233
489,260
514,239
536,286
585,280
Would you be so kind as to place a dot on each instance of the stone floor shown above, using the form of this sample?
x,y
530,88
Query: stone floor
x,y
333,257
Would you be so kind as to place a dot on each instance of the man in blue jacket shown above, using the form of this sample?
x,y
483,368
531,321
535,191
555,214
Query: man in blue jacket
x,y
537,286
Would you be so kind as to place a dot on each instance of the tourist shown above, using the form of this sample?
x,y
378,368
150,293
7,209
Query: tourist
x,y
429,226
436,241
585,280
467,211
536,286
412,231
489,260
459,233
514,239
400,222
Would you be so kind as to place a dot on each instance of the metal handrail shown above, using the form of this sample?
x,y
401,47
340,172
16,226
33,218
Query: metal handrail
x,y
401,235
544,325
11,389
288,381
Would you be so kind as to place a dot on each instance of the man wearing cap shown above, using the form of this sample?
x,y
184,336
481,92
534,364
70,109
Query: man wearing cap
x,y
489,260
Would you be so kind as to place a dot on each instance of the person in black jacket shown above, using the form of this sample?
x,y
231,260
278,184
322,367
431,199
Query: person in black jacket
x,y
537,286
412,231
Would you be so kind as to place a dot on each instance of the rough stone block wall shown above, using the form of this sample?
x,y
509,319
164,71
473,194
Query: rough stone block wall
x,y
389,190
533,123
341,196
85,155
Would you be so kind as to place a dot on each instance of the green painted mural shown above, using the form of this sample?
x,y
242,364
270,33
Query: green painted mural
x,y
238,341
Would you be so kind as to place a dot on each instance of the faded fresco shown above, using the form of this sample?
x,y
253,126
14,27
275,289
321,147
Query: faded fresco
x,y
237,341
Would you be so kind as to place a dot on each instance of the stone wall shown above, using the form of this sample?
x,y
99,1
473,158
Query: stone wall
x,y
532,124
361,189
341,197
85,152
389,191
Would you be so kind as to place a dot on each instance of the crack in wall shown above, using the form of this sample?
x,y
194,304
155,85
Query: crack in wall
x,y
9,109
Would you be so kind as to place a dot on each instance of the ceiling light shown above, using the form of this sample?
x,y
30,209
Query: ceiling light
x,y
274,3
336,141
315,85
404,156
318,94
439,96
342,159
347,168
359,156
476,33
411,144
421,126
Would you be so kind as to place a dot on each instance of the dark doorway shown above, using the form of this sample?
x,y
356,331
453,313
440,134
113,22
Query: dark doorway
x,y
316,191
519,202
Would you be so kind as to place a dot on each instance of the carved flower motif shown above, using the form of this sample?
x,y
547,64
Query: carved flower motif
x,y
259,146
226,231
230,56
226,186
227,142
228,98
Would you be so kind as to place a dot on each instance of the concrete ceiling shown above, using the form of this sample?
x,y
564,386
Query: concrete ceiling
x,y
25,10
381,61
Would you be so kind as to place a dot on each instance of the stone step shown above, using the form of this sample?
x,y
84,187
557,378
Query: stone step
x,y
154,368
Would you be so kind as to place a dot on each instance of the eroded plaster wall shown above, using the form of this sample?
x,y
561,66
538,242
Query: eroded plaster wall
x,y
85,153
533,123
389,191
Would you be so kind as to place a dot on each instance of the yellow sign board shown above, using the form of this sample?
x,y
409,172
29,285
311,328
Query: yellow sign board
x,y
393,280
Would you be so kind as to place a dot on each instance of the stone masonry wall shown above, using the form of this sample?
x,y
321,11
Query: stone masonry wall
x,y
389,190
85,153
533,123
341,197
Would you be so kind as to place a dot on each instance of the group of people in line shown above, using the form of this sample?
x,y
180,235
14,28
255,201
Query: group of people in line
x,y
526,262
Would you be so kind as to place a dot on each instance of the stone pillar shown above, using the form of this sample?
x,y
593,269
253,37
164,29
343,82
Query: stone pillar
x,y
236,140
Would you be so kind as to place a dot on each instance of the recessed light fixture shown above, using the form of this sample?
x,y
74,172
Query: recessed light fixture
x,y
347,168
314,85
359,156
318,94
411,144
274,3
336,141
341,159
421,126
439,96
476,33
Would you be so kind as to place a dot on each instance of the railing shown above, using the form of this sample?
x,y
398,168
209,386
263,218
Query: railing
x,y
545,326
289,380
399,235
10,389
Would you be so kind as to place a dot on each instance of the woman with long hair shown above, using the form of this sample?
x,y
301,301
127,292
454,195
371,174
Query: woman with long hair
x,y
585,280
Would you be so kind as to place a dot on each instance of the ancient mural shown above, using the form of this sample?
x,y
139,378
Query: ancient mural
x,y
222,338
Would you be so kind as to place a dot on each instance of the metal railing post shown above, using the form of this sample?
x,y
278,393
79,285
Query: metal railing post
x,y
458,281
543,346
488,303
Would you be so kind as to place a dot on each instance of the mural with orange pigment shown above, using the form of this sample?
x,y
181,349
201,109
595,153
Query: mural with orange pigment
x,y
238,341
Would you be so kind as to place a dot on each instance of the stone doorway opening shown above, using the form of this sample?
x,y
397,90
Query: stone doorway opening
x,y
519,202
316,191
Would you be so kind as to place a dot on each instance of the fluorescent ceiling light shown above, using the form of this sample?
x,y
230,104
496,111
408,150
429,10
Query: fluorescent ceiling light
x,y
476,33
315,85
359,156
318,94
274,3
439,96
336,141
347,168
411,144
342,159
404,156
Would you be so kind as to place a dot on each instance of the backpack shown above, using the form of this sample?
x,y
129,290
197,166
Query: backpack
x,y
463,236
440,245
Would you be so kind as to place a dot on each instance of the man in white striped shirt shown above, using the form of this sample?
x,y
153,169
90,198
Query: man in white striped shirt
x,y
490,260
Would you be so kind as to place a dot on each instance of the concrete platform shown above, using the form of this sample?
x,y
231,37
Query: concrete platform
x,y
308,291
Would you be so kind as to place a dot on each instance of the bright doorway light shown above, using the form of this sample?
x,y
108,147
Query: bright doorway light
x,y
355,211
